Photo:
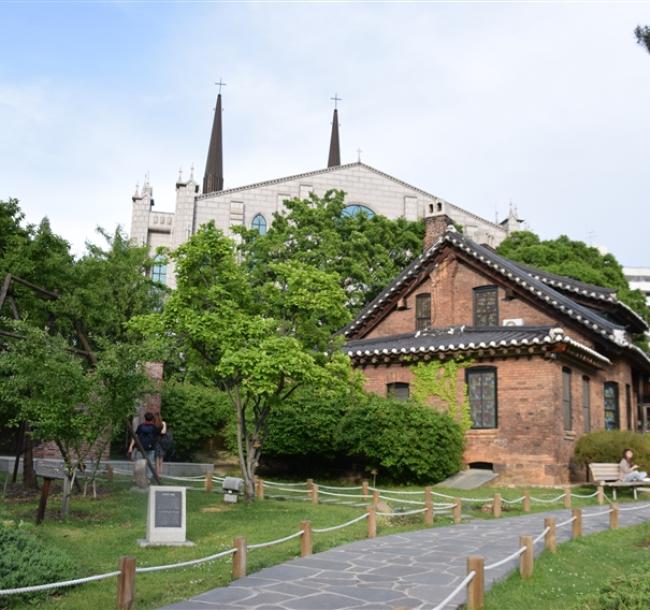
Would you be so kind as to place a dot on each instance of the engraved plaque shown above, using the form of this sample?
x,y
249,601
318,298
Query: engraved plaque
x,y
169,509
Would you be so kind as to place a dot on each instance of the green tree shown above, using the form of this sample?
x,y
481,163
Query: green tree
x,y
365,252
573,259
111,285
256,343
64,400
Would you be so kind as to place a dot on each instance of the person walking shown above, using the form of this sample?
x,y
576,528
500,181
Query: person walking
x,y
163,445
147,434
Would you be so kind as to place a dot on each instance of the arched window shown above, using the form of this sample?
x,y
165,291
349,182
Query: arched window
x,y
398,390
259,224
482,393
356,208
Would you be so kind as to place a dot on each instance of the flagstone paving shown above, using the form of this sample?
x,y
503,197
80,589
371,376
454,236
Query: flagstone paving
x,y
411,570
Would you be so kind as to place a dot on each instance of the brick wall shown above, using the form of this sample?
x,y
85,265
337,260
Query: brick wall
x,y
452,302
530,444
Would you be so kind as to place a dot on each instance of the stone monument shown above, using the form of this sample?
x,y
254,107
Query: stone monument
x,y
166,517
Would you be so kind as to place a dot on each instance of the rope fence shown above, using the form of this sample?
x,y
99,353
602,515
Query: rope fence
x,y
474,581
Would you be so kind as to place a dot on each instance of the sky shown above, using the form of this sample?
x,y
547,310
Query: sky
x,y
545,105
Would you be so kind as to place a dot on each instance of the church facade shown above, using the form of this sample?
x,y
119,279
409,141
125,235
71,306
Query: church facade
x,y
368,190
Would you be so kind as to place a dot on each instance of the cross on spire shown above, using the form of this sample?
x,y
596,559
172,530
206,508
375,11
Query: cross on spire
x,y
336,99
220,84
359,151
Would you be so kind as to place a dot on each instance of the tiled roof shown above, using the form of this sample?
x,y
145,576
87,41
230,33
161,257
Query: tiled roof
x,y
568,283
463,339
511,272
588,290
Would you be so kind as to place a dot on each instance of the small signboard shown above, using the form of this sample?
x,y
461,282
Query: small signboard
x,y
166,517
49,471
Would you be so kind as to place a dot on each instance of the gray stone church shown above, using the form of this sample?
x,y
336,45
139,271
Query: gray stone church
x,y
368,190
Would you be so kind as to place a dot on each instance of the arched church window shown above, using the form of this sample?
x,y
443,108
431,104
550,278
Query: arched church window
x,y
259,224
356,208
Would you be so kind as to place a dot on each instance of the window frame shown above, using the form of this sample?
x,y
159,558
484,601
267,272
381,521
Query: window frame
x,y
482,290
255,226
617,412
567,399
586,403
392,390
481,370
422,296
628,406
159,271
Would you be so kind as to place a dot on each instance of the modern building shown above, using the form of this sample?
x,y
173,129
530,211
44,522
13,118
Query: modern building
x,y
548,358
368,190
639,279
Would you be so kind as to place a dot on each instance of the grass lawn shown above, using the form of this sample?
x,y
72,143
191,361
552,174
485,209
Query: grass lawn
x,y
568,579
100,531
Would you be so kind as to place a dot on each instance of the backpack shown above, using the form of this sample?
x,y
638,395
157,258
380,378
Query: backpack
x,y
147,435
167,441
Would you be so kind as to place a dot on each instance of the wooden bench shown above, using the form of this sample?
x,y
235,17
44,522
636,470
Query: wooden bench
x,y
607,475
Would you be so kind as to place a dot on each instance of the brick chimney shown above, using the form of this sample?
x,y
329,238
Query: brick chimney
x,y
435,225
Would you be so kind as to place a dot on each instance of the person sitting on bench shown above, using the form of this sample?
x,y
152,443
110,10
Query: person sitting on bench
x,y
629,472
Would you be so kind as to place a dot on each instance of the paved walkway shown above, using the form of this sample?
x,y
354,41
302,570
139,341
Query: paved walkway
x,y
411,570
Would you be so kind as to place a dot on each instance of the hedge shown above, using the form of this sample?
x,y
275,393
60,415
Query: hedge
x,y
609,445
405,440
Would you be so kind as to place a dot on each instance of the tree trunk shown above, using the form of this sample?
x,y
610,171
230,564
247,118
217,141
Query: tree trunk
x,y
68,484
29,476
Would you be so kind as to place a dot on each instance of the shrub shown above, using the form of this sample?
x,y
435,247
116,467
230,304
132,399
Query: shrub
x,y
306,424
608,446
25,561
406,440
630,592
194,414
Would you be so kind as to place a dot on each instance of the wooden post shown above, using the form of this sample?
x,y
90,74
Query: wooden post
x,y
239,558
259,489
42,504
208,482
428,513
476,587
372,522
496,506
457,510
375,498
364,487
600,495
126,583
526,558
428,494
527,501
306,540
576,526
314,494
310,483
567,497
109,472
613,517
550,539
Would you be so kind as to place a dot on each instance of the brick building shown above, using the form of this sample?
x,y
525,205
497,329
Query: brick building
x,y
551,357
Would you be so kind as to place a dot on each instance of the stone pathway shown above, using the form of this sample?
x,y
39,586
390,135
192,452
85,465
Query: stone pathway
x,y
411,570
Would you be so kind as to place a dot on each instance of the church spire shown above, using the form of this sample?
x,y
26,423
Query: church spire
x,y
335,150
213,177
